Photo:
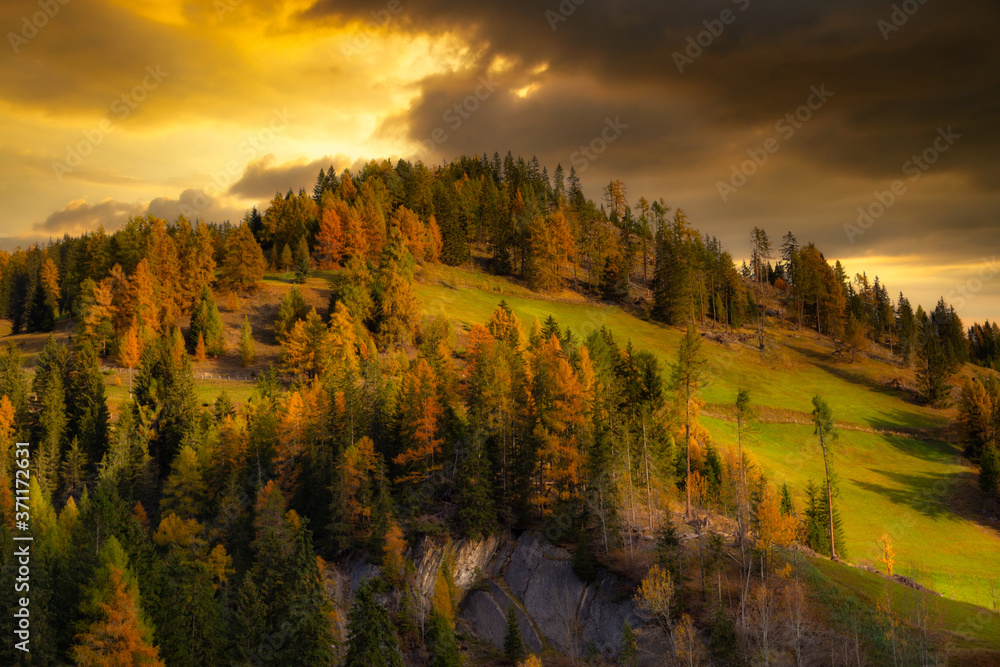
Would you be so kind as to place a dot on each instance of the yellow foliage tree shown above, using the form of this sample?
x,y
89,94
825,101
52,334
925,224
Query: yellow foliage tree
x,y
656,594
887,553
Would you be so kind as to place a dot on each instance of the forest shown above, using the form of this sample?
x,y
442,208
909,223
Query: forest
x,y
169,529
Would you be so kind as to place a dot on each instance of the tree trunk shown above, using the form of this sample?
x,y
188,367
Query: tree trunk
x,y
829,495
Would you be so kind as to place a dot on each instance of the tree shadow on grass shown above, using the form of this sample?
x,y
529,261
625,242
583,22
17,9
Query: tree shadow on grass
x,y
935,495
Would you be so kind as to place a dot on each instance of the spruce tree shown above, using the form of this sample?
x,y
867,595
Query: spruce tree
x,y
206,322
88,409
248,348
441,643
372,640
513,645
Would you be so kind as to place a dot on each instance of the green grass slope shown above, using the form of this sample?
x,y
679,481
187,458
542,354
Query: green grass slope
x,y
916,489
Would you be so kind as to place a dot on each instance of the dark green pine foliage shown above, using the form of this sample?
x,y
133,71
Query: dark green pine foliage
x,y
206,322
513,645
102,515
989,471
301,260
39,315
932,369
816,522
14,386
628,654
188,616
372,640
292,309
287,574
87,407
454,241
248,621
441,644
787,506
165,404
476,511
51,420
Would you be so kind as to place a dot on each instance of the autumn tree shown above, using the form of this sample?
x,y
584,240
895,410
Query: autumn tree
x,y
116,631
419,426
243,265
248,348
395,303
130,351
304,351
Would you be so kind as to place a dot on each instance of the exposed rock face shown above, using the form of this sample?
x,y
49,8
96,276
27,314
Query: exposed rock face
x,y
554,608
552,604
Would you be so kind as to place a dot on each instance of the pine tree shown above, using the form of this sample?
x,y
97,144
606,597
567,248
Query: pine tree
x,y
130,351
396,305
292,308
628,655
823,421
200,353
206,322
116,630
285,258
686,380
372,640
989,471
243,265
441,644
513,645
932,369
88,409
248,348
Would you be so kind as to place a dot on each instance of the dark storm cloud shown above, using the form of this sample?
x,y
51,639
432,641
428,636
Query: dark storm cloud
x,y
892,91
79,217
262,178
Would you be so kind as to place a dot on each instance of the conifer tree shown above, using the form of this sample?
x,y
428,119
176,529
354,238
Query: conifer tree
x,y
243,265
88,409
513,645
823,421
248,348
292,308
395,303
372,640
686,381
116,630
206,322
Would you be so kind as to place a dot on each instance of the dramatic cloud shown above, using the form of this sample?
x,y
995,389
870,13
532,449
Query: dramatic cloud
x,y
263,178
78,217
871,129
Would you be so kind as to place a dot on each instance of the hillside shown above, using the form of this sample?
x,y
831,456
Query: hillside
x,y
899,466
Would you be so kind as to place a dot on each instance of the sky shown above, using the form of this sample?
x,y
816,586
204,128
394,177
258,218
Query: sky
x,y
871,129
